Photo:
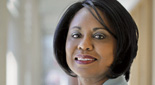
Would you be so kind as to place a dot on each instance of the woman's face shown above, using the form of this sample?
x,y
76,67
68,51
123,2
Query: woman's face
x,y
89,47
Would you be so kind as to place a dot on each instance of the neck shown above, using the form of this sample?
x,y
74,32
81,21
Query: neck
x,y
91,81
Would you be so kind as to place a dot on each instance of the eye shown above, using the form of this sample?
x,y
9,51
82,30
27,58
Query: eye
x,y
76,35
99,36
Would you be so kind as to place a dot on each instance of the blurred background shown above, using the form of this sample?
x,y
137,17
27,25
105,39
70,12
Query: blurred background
x,y
26,36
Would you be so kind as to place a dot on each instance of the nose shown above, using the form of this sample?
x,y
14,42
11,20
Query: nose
x,y
85,44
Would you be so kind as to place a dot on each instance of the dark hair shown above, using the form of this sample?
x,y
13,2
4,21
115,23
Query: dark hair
x,y
126,34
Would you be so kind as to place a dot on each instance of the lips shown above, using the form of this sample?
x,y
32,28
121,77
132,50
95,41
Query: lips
x,y
84,59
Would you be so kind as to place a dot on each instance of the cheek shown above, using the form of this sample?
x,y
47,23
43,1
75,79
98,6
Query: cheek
x,y
106,51
68,52
70,49
70,46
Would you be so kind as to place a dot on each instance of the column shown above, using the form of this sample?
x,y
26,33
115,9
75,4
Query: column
x,y
153,50
3,41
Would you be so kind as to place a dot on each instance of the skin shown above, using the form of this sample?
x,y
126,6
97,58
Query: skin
x,y
81,40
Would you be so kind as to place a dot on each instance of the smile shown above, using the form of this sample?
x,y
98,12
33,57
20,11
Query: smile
x,y
84,59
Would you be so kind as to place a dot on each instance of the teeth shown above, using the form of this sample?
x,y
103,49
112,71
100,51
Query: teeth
x,y
84,59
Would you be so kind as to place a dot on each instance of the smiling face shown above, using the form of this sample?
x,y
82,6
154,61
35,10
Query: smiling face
x,y
89,47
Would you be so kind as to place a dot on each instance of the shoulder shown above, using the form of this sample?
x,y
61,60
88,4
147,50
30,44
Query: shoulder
x,y
117,81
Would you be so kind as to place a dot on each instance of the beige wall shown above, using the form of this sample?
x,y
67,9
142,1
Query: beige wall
x,y
3,41
24,42
142,68
21,36
153,51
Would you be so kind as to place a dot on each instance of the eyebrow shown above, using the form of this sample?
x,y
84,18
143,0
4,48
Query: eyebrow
x,y
76,27
98,28
94,29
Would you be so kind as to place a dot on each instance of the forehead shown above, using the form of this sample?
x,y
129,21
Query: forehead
x,y
84,15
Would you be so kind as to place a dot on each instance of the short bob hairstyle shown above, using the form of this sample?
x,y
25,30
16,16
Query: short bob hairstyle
x,y
126,34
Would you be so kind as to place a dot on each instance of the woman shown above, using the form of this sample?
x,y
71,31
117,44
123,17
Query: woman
x,y
96,41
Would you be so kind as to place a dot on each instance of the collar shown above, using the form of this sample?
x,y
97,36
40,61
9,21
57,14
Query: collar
x,y
117,81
